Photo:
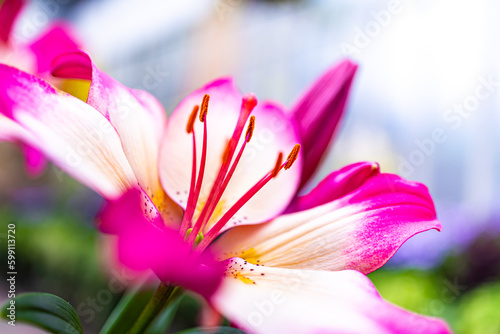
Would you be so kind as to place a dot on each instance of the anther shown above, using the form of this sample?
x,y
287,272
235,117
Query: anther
x,y
251,127
225,156
204,107
292,156
192,117
277,167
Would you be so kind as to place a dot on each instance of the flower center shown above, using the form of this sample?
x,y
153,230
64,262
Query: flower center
x,y
209,213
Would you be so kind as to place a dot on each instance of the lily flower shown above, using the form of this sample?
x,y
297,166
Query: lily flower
x,y
199,199
34,57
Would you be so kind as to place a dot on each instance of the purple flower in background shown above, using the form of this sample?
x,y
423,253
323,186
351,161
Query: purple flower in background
x,y
463,229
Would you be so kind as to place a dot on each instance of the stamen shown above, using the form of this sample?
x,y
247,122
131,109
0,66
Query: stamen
x,y
201,172
195,189
251,127
191,201
230,159
225,156
192,117
249,101
228,177
214,231
278,166
204,107
292,156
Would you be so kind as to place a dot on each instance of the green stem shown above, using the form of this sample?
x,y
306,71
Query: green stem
x,y
153,307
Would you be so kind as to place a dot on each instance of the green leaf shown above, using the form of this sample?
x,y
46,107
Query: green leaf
x,y
127,311
212,330
43,310
164,319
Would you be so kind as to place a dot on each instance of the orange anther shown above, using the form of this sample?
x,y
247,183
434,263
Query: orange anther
x,y
292,156
192,117
251,127
204,107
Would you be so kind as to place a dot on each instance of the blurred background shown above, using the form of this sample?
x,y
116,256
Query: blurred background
x,y
425,104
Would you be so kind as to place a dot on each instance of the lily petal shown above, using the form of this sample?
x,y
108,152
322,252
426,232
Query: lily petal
x,y
136,115
274,132
276,300
17,56
144,244
71,133
9,11
318,113
10,130
56,40
35,161
336,185
361,230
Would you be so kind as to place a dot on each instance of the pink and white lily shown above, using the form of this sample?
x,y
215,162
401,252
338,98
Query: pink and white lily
x,y
174,187
34,57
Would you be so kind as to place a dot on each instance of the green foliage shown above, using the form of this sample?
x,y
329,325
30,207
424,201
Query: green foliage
x,y
212,330
127,311
420,291
478,311
164,320
57,249
410,289
45,311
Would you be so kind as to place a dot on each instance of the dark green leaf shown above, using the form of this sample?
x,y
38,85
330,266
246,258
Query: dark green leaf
x,y
212,330
46,311
127,311
165,318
